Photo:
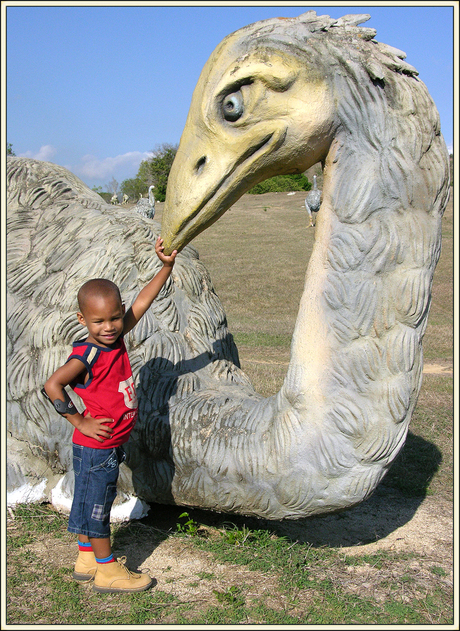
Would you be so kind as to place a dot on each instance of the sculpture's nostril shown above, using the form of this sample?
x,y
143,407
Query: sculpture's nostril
x,y
200,165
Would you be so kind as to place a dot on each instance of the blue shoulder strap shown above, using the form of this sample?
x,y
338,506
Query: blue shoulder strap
x,y
88,358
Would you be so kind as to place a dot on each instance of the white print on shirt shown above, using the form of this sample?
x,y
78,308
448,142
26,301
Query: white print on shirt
x,y
129,393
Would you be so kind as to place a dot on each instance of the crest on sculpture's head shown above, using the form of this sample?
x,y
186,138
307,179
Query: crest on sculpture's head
x,y
302,34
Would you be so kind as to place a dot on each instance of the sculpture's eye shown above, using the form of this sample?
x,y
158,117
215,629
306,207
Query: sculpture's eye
x,y
233,106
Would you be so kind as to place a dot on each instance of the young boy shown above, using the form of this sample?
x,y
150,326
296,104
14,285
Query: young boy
x,y
99,371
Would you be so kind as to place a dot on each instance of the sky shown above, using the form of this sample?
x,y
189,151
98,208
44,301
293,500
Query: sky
x,y
96,89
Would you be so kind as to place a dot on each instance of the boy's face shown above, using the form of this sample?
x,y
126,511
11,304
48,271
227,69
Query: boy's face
x,y
103,317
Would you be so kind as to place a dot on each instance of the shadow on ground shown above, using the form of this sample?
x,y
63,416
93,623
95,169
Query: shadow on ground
x,y
392,505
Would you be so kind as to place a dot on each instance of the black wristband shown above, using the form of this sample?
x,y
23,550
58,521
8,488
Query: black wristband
x,y
65,407
62,407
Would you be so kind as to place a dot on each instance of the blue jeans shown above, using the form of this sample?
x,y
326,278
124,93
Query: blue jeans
x,y
96,474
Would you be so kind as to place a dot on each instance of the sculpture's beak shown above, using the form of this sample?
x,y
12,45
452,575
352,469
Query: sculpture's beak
x,y
207,178
220,158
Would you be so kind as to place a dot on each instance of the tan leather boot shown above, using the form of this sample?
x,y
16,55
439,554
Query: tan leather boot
x,y
115,577
85,566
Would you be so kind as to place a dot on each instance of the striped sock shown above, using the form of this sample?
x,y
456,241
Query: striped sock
x,y
84,546
108,559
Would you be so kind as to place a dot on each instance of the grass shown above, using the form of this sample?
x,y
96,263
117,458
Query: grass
x,y
314,585
245,571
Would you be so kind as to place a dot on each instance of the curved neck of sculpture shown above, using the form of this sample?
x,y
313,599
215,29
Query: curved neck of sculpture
x,y
367,286
310,347
357,345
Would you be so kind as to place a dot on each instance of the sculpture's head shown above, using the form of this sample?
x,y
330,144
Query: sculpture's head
x,y
258,110
269,101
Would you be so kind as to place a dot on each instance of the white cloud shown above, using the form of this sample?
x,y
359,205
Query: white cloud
x,y
44,153
95,168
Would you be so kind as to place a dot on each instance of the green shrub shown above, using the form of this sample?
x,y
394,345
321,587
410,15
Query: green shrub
x,y
282,184
107,197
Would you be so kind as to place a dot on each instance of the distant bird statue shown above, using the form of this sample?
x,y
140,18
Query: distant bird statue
x,y
275,97
313,202
146,207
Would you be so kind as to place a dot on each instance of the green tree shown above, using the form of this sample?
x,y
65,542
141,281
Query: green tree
x,y
133,187
157,169
154,170
9,149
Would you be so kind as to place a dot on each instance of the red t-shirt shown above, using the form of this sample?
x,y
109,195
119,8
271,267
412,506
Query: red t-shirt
x,y
109,391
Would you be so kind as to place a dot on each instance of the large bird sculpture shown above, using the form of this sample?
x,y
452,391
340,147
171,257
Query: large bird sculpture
x,y
313,201
275,97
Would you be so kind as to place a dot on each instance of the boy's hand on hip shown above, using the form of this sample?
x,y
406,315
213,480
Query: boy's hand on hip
x,y
96,428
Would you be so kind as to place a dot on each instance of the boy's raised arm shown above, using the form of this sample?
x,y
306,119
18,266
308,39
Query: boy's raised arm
x,y
148,294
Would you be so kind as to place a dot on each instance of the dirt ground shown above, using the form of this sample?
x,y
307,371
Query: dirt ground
x,y
420,530
381,523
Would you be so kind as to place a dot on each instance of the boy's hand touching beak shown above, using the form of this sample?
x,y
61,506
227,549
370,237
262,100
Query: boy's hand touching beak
x,y
166,260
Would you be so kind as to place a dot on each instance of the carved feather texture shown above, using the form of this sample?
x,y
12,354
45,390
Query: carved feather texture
x,y
48,253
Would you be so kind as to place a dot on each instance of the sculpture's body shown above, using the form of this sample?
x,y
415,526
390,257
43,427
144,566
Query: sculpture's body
x,y
60,234
146,207
313,201
275,97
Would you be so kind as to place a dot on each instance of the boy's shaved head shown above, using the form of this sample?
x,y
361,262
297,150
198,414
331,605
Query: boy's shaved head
x,y
97,288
